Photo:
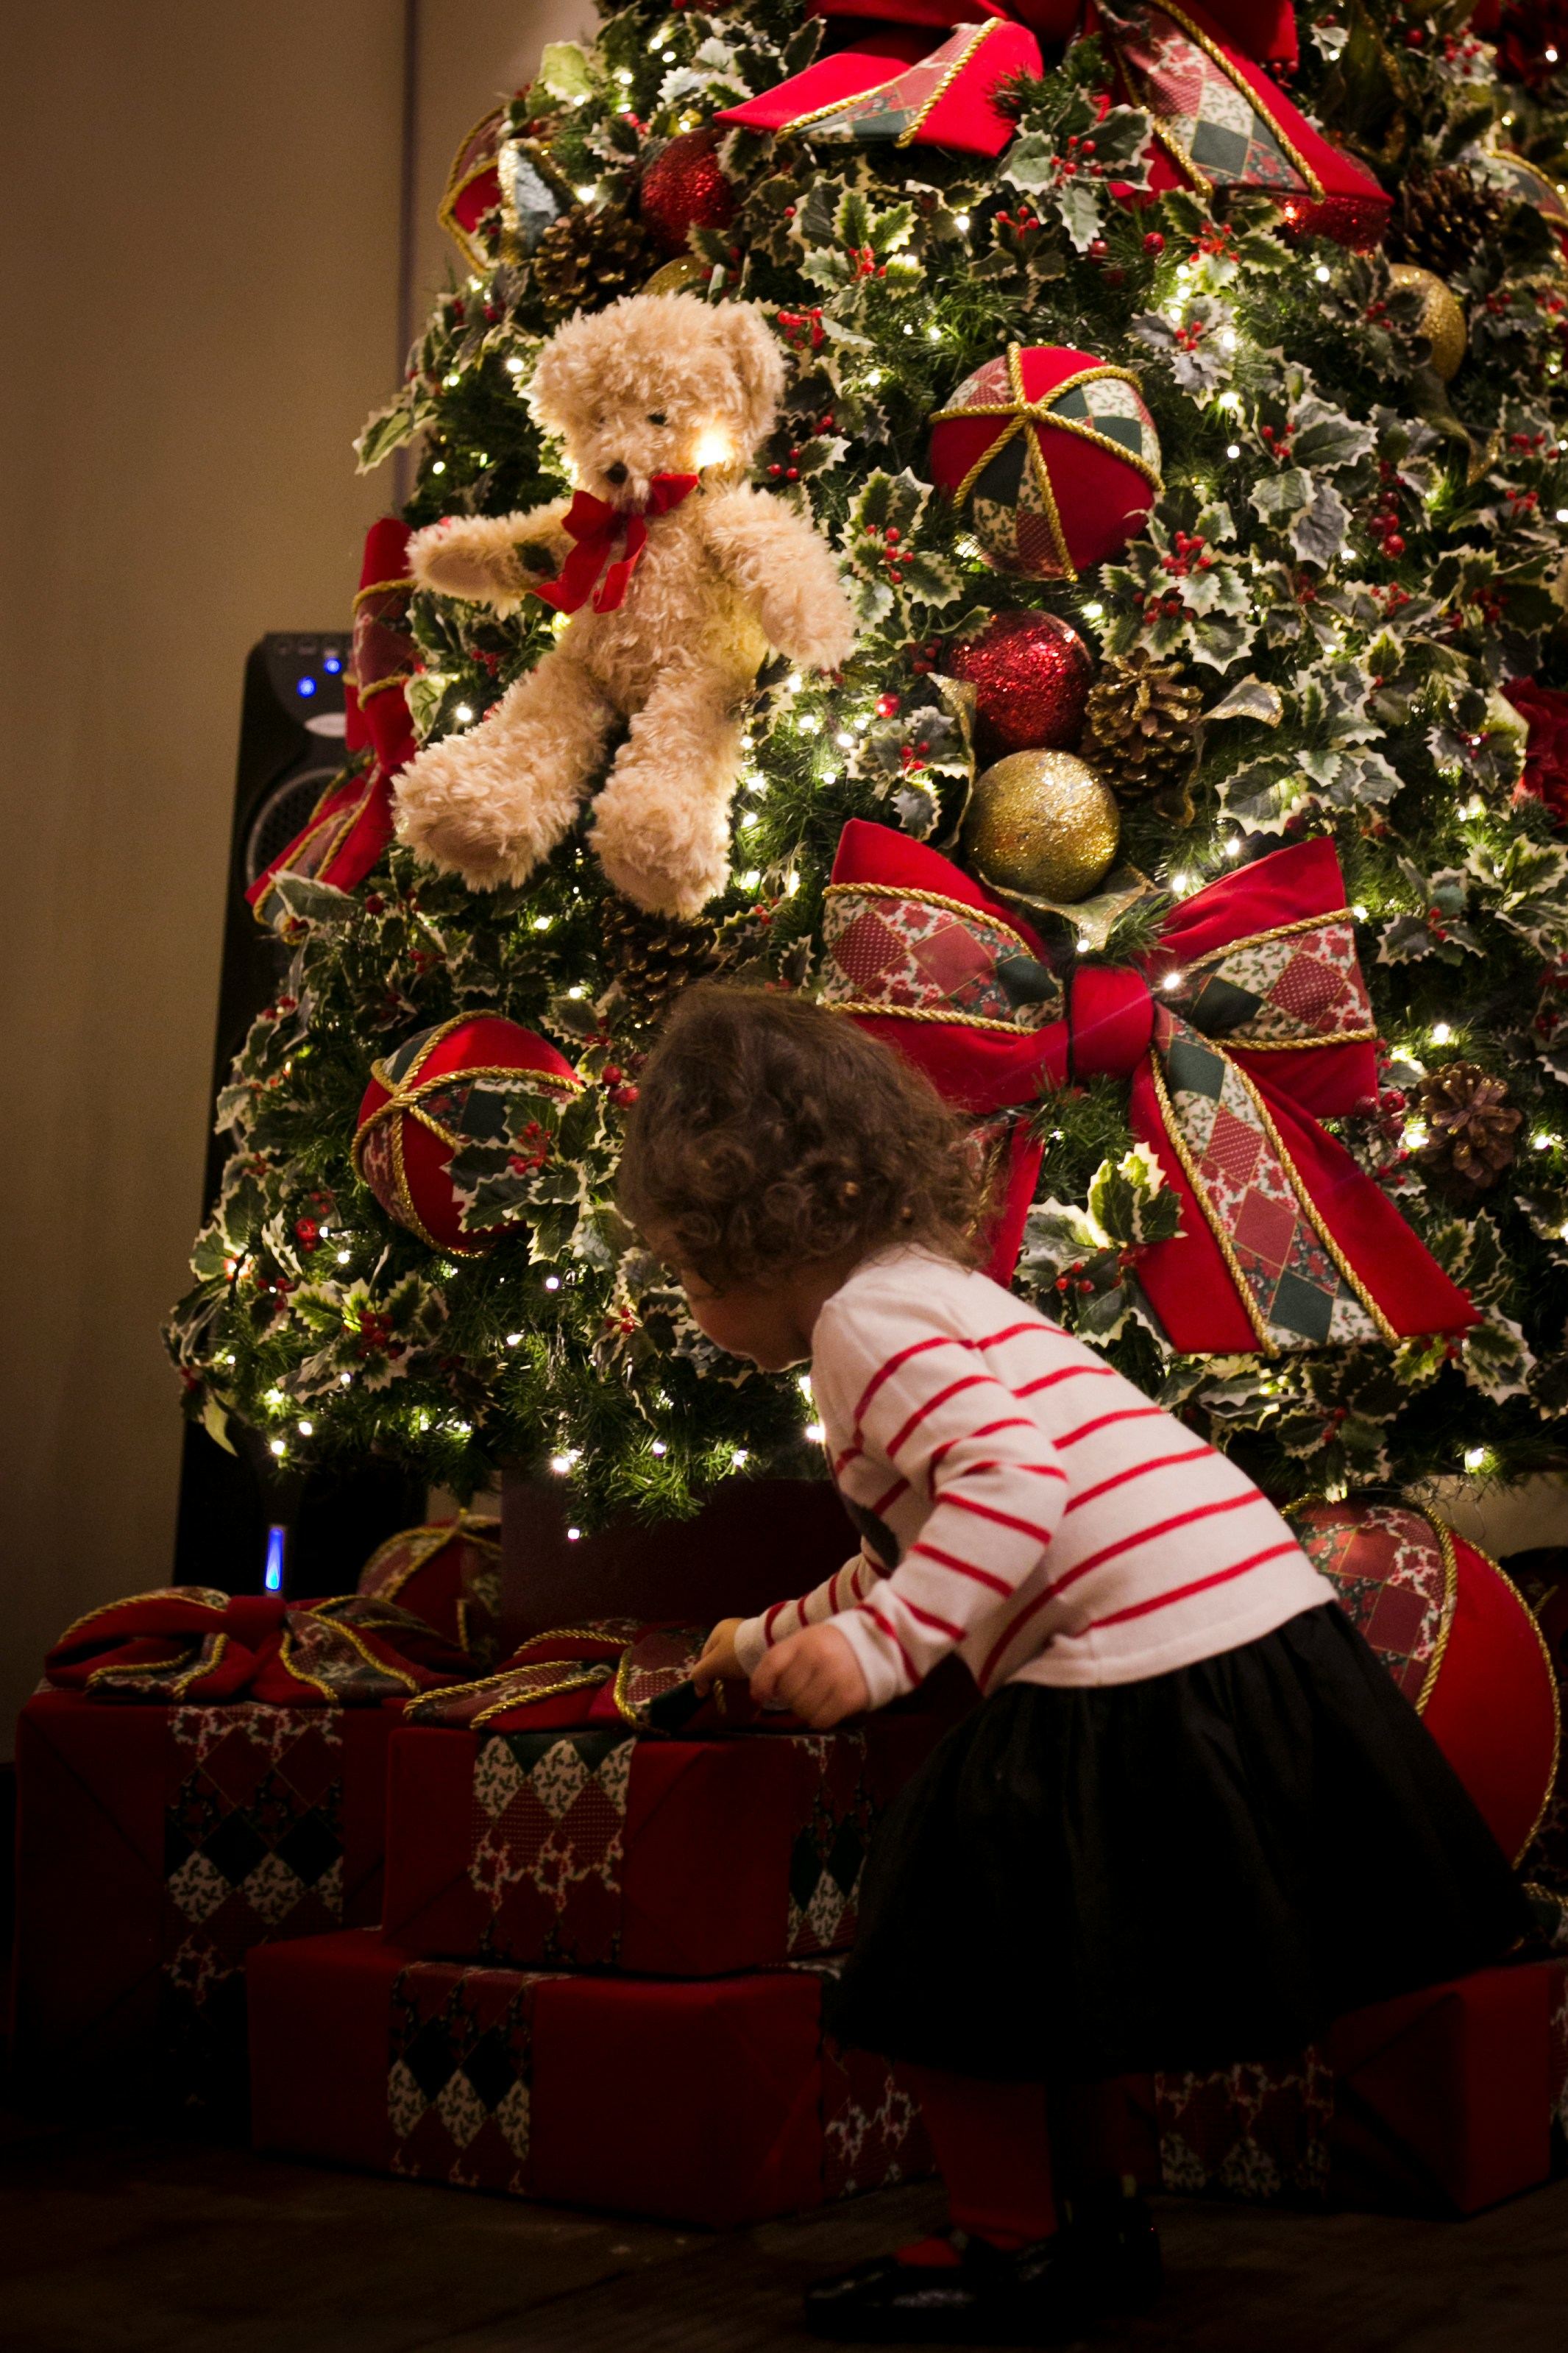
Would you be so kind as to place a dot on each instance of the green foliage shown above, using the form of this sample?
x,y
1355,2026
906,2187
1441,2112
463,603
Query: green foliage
x,y
1350,559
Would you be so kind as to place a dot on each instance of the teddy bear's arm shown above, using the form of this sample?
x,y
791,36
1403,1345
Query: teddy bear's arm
x,y
784,570
490,559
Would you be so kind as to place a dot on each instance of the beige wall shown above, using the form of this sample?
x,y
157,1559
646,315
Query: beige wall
x,y
199,291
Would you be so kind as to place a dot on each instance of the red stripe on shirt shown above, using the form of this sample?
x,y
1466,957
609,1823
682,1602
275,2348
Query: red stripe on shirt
x,y
1067,1373
954,1388
953,1633
996,1338
1104,1421
894,1491
768,1621
961,1568
1160,1462
1199,1584
986,1429
891,1632
998,1519
885,1372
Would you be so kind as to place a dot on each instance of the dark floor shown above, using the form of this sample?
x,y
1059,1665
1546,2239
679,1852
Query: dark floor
x,y
117,2242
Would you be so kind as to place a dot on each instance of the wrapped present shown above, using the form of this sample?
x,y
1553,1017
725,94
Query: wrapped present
x,y
1440,2102
594,1847
719,2102
448,1573
156,1847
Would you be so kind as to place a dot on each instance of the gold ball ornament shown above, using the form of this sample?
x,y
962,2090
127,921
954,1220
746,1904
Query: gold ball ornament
x,y
1442,320
1042,825
681,276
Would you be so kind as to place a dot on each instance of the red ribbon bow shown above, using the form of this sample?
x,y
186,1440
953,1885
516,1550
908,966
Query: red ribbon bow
x,y
1250,1016
595,526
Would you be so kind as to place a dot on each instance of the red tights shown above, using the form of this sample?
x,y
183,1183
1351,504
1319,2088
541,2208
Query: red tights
x,y
992,2145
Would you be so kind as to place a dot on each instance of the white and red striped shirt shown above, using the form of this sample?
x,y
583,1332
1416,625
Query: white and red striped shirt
x,y
1021,1502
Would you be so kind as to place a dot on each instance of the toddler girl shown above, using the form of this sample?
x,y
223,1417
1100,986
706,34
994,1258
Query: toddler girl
x,y
1192,1820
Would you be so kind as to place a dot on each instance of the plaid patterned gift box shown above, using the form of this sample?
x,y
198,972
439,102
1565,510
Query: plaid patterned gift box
x,y
718,2102
594,1848
156,1847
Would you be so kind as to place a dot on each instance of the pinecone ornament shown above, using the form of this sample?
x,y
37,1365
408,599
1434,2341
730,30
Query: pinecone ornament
x,y
1469,1126
1440,221
654,957
587,257
1141,732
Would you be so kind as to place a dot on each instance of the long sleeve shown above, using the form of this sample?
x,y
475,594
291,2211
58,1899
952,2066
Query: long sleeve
x,y
837,1593
924,1402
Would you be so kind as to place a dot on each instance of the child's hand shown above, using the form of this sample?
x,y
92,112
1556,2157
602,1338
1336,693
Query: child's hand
x,y
816,1674
719,1663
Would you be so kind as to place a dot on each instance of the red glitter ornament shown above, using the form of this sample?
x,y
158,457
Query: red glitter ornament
x,y
1031,675
685,189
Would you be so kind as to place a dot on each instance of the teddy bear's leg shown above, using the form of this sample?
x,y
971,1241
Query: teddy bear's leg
x,y
662,825
493,803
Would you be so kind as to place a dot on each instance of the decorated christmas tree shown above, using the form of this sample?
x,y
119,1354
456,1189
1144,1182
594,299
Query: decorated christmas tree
x,y
1179,392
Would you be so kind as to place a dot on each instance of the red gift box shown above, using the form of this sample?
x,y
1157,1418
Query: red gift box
x,y
593,1848
1439,2102
719,2102
156,1846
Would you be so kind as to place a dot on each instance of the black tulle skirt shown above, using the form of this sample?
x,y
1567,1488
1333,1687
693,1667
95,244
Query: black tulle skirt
x,y
1200,1868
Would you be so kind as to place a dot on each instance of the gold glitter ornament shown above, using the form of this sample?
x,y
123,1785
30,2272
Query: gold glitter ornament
x,y
1041,824
681,276
1442,320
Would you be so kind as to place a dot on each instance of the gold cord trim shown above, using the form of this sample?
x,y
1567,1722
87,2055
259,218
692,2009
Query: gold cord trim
x,y
1021,411
1179,1146
1445,1536
593,1671
1307,1203
380,588
1238,82
853,1005
202,1597
874,90
383,685
1245,1045
107,1674
926,899
460,236
1274,932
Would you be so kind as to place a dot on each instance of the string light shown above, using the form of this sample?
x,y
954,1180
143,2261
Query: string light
x,y
464,715
562,1463
586,196
1321,273
345,1380
541,923
962,223
575,990
512,364
553,1283
440,466
573,1536
279,1448
658,1446
1474,1457
306,1429
740,1457
1359,912
1233,848
514,1339
1233,449
816,1432
1440,1033
343,1257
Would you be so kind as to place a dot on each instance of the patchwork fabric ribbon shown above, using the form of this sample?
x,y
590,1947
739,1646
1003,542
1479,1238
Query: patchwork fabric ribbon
x,y
186,1643
612,1671
597,527
1249,1021
351,825
1219,121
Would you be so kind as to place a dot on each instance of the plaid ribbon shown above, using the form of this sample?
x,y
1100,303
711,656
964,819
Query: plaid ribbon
x,y
1250,1016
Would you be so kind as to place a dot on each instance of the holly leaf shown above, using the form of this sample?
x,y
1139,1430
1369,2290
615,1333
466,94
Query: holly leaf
x,y
1279,496
1318,534
1497,1359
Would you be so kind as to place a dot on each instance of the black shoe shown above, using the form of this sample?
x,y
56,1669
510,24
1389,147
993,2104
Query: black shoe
x,y
1111,2238
1033,2298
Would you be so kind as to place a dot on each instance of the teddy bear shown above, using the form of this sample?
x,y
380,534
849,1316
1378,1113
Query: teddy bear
x,y
678,576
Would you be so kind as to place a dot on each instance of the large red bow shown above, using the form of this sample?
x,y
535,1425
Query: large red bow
x,y
1219,121
186,1644
596,525
1285,1243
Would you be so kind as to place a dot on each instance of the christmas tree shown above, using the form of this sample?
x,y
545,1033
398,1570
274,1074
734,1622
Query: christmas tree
x,y
1322,595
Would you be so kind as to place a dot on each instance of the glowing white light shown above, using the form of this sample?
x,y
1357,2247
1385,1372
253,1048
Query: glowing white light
x,y
572,1535
1233,848
514,1339
792,884
658,1446
464,715
714,449
562,1463
345,1380
1172,980
1321,273
1563,515
1083,943
874,376
1359,912
553,1283
794,683
1441,1033
803,1383
586,196
933,334
816,1432
513,365
279,1448
450,380
739,1456
1415,1134
750,880
343,1257
575,989
1233,449
751,817
1229,400
305,1428
1227,341
845,740
810,724
1474,1457
908,329
541,923
440,466
622,73
961,223
1551,56
1093,612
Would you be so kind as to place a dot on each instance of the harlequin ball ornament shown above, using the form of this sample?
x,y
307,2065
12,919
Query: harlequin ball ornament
x,y
1031,676
685,188
435,1094
1442,321
1052,457
1041,824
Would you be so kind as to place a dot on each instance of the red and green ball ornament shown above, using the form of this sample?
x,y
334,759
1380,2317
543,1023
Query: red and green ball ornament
x,y
685,188
435,1094
1031,675
1053,457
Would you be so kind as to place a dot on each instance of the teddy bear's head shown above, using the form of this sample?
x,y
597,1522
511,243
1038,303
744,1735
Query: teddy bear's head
x,y
658,384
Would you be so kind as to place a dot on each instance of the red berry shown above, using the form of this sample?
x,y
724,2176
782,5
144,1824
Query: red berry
x,y
1153,242
887,704
612,1074
1393,545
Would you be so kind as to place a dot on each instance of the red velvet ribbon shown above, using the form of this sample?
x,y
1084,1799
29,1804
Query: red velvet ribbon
x,y
596,525
1119,1024
190,1645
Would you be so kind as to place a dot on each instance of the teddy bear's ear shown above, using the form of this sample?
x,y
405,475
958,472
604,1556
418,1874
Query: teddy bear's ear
x,y
758,363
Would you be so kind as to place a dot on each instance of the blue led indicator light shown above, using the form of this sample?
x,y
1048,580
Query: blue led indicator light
x,y
306,686
331,664
277,1539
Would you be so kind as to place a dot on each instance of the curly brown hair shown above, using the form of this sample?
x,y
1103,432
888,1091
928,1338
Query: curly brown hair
x,y
770,1133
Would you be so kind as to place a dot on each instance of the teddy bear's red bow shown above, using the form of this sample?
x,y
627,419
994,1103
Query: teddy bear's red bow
x,y
596,525
1250,1016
